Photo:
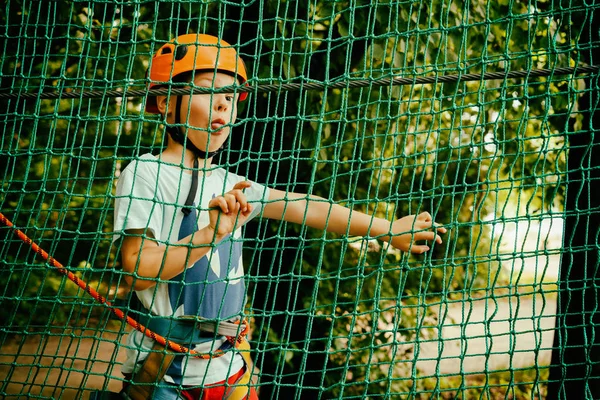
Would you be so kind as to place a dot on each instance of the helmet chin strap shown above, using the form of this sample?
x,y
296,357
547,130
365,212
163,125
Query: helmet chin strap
x,y
176,135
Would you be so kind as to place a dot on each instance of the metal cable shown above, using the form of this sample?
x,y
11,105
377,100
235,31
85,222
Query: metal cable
x,y
290,87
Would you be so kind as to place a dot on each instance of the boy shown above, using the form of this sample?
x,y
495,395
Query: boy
x,y
181,217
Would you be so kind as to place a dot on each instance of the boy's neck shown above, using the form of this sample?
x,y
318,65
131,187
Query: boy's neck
x,y
177,156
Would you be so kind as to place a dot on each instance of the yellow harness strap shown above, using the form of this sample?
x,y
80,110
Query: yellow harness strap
x,y
240,390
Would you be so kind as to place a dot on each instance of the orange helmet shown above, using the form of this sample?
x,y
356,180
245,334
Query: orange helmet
x,y
209,53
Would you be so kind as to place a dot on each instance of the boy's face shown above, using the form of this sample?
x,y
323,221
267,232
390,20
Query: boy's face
x,y
209,116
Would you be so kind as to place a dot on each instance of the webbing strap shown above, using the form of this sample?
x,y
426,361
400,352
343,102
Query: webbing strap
x,y
192,329
193,189
241,389
152,371
223,328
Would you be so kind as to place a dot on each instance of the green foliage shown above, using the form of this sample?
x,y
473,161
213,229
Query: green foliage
x,y
472,154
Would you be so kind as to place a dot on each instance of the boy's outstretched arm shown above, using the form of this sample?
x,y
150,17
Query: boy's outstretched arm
x,y
319,213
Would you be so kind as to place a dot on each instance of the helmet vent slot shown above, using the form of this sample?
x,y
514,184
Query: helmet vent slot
x,y
180,52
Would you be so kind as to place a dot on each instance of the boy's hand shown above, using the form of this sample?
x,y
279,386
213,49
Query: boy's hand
x,y
230,210
413,228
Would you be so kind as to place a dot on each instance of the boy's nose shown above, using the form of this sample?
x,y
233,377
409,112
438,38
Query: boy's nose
x,y
220,103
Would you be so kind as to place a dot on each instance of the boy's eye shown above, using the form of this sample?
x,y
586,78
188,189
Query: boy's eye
x,y
229,98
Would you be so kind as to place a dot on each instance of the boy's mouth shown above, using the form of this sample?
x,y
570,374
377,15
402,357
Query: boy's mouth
x,y
217,124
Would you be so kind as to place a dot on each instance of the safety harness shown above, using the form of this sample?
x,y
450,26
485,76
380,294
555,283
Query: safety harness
x,y
190,331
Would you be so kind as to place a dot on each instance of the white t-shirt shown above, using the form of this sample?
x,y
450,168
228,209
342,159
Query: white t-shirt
x,y
150,194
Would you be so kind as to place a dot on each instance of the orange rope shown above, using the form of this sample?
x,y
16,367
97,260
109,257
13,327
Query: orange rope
x,y
132,322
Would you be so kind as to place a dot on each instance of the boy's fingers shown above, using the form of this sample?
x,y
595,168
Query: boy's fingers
x,y
423,222
234,201
231,201
425,216
419,249
424,235
245,208
242,185
219,202
240,198
435,225
213,203
438,227
428,235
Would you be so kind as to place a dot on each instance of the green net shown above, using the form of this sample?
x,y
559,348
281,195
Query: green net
x,y
332,315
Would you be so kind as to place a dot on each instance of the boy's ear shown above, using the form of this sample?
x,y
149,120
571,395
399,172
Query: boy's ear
x,y
161,104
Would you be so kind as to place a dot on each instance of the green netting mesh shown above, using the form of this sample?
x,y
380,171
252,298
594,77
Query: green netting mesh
x,y
332,316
